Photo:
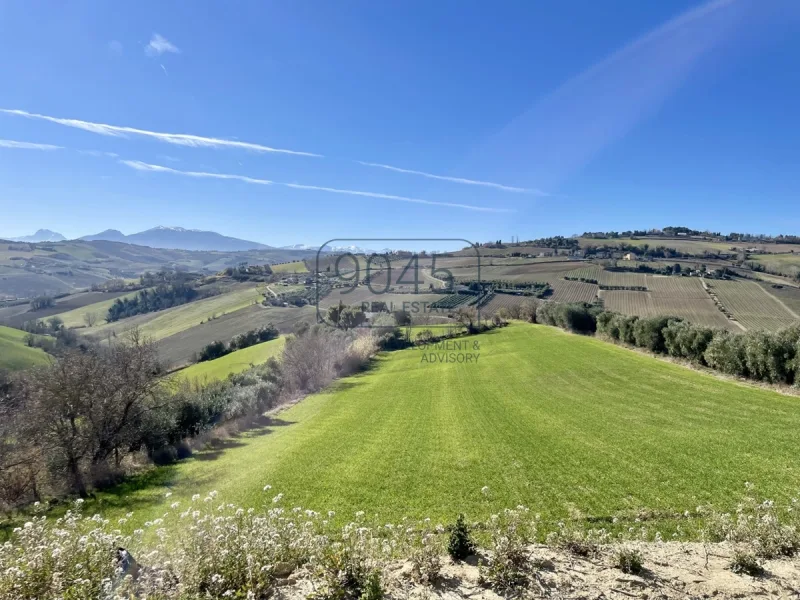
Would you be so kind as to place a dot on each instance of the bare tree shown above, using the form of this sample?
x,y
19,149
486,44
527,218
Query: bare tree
x,y
467,316
89,405
90,319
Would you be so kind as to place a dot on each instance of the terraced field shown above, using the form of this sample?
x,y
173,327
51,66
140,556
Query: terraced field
x,y
752,305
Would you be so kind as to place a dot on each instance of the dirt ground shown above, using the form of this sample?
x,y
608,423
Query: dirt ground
x,y
672,570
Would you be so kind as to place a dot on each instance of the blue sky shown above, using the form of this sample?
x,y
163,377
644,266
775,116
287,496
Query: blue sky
x,y
536,118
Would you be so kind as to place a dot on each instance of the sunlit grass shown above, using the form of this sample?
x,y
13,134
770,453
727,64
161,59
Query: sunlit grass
x,y
543,419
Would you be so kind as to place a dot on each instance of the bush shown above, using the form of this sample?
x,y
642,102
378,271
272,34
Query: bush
x,y
647,333
510,534
628,560
460,544
726,353
745,563
577,318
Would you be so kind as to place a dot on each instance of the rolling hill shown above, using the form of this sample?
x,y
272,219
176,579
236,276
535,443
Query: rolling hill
x,y
543,418
15,354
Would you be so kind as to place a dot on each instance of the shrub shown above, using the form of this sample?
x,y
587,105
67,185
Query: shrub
x,y
726,353
425,554
746,563
647,333
628,560
574,538
460,544
768,530
510,533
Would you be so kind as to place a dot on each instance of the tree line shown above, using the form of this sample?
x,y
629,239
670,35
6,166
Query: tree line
x,y
164,295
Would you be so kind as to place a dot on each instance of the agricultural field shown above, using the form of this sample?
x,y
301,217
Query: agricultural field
x,y
688,245
572,291
173,320
297,266
15,316
499,301
75,317
752,305
235,362
180,348
570,420
451,301
784,264
671,296
15,354
361,294
789,296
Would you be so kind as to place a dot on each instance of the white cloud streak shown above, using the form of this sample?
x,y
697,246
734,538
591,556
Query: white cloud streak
x,y
159,44
177,139
142,166
27,145
489,184
197,141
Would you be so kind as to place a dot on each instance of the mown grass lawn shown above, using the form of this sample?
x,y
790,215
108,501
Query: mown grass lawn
x,y
235,362
543,419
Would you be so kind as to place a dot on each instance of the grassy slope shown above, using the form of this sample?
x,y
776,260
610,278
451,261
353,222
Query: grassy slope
x,y
235,362
293,267
545,418
173,320
74,317
14,354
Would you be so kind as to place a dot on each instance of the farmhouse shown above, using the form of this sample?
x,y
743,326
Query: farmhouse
x,y
628,256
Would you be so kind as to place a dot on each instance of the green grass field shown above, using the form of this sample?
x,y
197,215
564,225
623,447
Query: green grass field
x,y
14,354
544,418
168,322
235,362
297,266
75,317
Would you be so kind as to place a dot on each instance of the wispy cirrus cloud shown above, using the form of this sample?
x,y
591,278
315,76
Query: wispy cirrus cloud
x,y
177,139
198,141
489,184
159,45
28,145
142,166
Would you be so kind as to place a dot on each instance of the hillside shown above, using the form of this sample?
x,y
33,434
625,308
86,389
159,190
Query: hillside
x,y
50,268
543,418
15,354
235,362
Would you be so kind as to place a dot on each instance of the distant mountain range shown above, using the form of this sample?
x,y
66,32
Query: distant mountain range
x,y
178,238
172,238
42,235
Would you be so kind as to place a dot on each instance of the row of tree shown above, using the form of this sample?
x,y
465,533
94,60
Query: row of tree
x,y
158,298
